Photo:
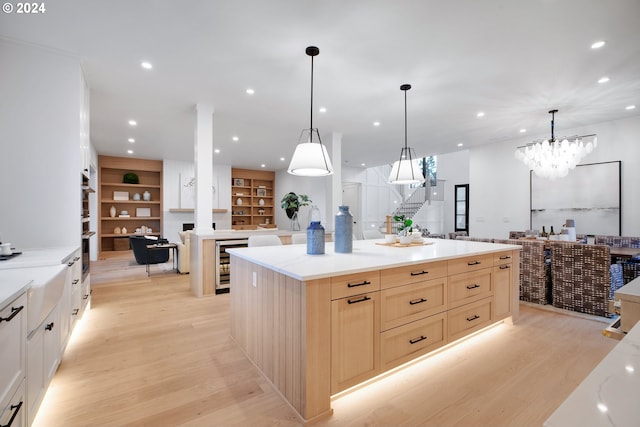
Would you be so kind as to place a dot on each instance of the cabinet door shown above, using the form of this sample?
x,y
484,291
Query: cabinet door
x,y
13,336
51,345
502,291
355,340
35,367
14,411
468,287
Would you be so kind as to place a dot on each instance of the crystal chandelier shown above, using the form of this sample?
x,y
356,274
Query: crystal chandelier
x,y
554,158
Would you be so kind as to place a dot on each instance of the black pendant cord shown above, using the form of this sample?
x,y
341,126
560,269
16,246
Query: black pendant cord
x,y
311,110
553,116
405,120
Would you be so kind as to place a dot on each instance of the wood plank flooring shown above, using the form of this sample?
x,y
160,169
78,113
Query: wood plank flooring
x,y
150,354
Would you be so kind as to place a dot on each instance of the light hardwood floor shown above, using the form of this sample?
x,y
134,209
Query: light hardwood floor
x,y
150,354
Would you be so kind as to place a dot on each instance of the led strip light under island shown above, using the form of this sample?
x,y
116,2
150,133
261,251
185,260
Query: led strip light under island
x,y
316,325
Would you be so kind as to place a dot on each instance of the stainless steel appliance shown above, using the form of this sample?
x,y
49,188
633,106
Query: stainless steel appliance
x,y
223,262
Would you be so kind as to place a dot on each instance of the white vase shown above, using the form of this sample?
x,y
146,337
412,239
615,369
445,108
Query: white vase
x,y
146,196
112,211
239,201
261,202
124,230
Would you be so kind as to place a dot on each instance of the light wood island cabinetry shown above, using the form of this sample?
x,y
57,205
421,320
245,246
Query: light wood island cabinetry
x,y
317,325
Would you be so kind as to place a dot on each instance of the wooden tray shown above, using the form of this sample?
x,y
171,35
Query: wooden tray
x,y
400,245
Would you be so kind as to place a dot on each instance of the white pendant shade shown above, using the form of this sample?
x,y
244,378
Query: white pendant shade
x,y
310,159
405,172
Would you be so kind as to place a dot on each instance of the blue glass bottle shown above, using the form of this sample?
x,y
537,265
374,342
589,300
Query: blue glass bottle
x,y
344,231
315,238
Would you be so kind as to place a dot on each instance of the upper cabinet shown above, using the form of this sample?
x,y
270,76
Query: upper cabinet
x,y
127,208
85,136
252,202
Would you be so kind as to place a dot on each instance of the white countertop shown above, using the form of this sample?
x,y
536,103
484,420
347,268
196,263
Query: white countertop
x,y
293,261
244,234
609,395
37,257
11,286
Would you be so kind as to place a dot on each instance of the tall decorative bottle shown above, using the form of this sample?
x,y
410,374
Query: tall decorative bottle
x,y
344,231
315,238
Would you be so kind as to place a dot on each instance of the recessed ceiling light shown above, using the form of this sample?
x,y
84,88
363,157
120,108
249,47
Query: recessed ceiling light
x,y
132,123
282,159
217,150
598,44
603,80
523,130
460,144
602,407
376,123
629,107
480,114
250,91
263,165
629,369
146,65
323,109
131,140
362,164
130,151
235,138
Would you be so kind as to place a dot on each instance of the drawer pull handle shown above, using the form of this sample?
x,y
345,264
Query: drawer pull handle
x,y
475,285
474,263
353,285
75,311
419,273
15,409
76,258
70,263
415,340
503,267
75,282
358,300
14,313
417,301
506,257
472,318
49,326
86,296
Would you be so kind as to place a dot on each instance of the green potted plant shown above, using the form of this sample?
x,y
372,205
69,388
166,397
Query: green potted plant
x,y
406,225
292,202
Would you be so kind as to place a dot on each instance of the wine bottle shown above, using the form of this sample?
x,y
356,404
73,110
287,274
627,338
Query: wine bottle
x,y
544,232
551,233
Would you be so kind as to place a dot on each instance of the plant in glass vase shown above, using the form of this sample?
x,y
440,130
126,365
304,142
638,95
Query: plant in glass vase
x,y
291,203
404,229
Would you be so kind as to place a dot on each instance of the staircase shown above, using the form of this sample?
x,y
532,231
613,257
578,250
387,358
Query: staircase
x,y
416,200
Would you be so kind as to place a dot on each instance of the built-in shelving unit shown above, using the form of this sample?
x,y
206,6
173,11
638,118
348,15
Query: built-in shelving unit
x,y
143,214
252,200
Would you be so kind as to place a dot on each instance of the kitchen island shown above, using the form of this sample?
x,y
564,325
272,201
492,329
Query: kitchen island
x,y
316,325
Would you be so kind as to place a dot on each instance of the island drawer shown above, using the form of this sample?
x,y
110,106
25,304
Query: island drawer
x,y
412,274
399,345
469,318
503,258
404,304
468,287
354,284
471,263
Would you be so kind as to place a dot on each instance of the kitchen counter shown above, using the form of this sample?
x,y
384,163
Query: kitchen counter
x,y
11,285
608,396
293,260
38,257
316,325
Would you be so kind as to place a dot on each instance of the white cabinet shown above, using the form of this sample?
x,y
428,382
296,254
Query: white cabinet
x,y
13,411
13,336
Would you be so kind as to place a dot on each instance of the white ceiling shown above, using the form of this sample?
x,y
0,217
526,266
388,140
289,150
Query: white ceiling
x,y
512,59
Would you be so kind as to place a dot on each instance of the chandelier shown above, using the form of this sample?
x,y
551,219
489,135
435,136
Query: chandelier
x,y
554,158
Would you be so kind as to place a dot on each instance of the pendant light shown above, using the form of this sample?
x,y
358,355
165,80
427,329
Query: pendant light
x,y
406,169
311,157
554,158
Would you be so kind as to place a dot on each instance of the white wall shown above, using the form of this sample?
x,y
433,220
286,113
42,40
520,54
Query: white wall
x,y
499,184
174,174
40,164
314,187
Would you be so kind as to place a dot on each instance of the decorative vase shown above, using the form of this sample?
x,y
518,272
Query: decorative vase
x,y
261,202
136,196
295,225
124,230
344,231
315,238
239,201
117,230
112,211
146,196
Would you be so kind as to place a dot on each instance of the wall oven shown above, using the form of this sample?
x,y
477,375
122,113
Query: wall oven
x,y
223,262
86,232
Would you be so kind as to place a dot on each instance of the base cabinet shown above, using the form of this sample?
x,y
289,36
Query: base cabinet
x,y
13,411
13,335
355,340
